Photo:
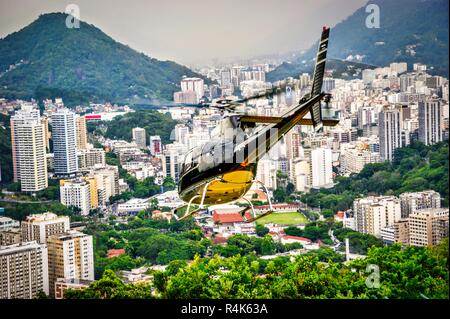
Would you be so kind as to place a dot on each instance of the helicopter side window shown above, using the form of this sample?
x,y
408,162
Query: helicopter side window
x,y
188,162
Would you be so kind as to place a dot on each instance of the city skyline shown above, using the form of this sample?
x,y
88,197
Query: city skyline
x,y
264,178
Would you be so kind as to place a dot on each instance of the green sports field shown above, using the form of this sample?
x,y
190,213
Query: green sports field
x,y
284,219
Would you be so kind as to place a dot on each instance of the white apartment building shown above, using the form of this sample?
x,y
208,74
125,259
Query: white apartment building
x,y
76,193
430,121
267,172
353,159
7,223
39,226
27,113
64,136
389,127
28,145
134,205
411,202
23,270
70,256
321,167
301,174
139,137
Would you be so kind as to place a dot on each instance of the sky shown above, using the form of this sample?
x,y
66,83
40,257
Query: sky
x,y
197,31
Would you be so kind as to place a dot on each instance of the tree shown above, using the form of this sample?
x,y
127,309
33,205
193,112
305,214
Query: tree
x,y
110,287
169,184
261,231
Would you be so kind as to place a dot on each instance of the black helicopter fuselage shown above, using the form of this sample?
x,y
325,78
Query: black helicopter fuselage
x,y
230,176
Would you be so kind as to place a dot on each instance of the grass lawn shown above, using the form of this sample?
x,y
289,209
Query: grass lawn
x,y
284,219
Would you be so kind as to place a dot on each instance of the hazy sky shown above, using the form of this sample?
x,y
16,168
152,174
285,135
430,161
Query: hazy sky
x,y
195,31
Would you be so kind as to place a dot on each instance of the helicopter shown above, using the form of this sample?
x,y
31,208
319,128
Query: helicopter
x,y
223,169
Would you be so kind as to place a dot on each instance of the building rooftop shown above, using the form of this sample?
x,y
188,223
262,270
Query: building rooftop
x,y
43,217
297,238
229,217
115,252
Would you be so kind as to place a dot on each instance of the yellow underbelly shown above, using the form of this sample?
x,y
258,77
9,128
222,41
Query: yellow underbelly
x,y
230,187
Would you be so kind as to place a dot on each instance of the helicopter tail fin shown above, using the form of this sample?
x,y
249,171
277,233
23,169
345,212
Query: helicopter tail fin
x,y
319,71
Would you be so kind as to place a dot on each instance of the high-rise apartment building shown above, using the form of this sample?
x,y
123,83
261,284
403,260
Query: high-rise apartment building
x,y
82,142
293,144
155,145
304,80
76,193
321,167
139,137
39,226
64,136
353,160
70,256
374,213
90,157
411,202
107,180
29,149
171,160
389,127
430,121
23,270
193,84
428,226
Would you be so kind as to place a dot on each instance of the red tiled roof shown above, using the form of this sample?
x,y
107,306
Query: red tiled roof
x,y
297,238
220,240
115,252
229,217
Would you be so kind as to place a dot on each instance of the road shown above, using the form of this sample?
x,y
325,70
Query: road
x,y
9,200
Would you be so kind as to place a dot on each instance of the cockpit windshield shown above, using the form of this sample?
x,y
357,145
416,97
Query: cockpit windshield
x,y
191,159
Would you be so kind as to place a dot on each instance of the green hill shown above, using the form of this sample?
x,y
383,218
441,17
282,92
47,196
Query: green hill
x,y
341,69
81,65
418,24
5,149
153,122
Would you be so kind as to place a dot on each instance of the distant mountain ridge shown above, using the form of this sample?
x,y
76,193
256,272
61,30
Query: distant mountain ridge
x,y
410,31
49,60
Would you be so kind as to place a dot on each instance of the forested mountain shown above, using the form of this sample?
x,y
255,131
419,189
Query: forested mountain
x,y
46,60
410,31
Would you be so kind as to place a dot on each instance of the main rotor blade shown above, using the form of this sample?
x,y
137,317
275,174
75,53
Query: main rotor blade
x,y
275,120
266,93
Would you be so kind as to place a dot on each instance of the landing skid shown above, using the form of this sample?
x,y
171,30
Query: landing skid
x,y
202,206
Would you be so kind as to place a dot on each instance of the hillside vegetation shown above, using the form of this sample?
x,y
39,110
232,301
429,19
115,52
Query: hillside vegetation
x,y
420,25
50,60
